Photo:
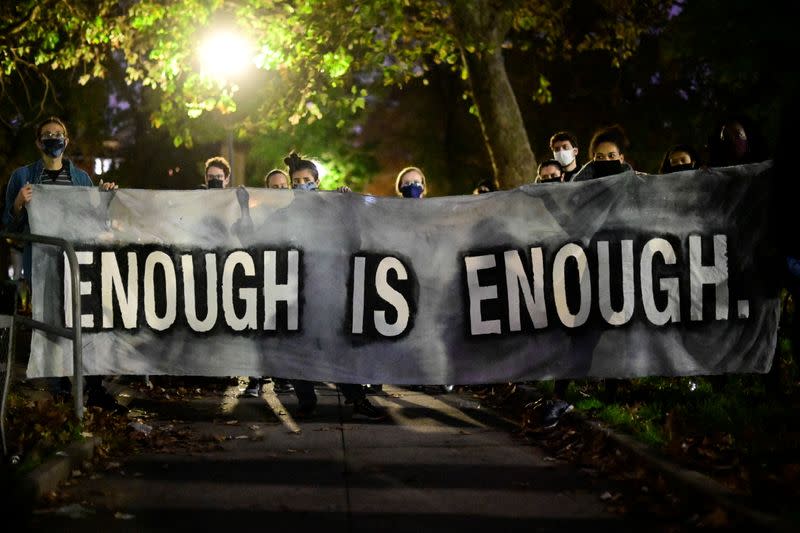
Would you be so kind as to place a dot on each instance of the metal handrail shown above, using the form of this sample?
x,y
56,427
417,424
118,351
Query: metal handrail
x,y
73,333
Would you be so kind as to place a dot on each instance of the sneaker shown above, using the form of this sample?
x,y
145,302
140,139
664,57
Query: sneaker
x,y
448,388
364,409
304,412
553,411
105,401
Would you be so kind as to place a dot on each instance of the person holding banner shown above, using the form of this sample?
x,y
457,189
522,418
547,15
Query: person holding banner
x,y
217,173
411,183
549,171
304,176
735,140
678,158
275,179
607,153
484,186
53,168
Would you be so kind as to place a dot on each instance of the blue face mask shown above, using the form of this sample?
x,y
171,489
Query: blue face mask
x,y
412,190
308,186
54,147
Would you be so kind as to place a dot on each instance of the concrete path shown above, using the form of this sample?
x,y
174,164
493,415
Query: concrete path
x,y
439,463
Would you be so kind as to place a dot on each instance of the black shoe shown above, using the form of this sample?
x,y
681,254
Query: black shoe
x,y
282,387
253,389
62,396
553,411
364,409
105,401
304,412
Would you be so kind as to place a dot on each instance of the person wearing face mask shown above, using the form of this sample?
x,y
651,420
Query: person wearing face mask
x,y
217,173
679,158
735,140
304,176
410,183
607,153
549,171
275,179
565,150
53,168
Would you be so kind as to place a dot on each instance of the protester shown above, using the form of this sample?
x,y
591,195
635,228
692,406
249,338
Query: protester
x,y
565,150
679,158
549,171
53,168
735,140
484,186
276,179
410,183
607,153
217,173
304,176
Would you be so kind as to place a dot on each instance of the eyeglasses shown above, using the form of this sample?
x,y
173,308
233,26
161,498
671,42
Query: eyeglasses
x,y
53,135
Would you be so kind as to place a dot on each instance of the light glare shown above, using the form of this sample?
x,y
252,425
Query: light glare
x,y
224,53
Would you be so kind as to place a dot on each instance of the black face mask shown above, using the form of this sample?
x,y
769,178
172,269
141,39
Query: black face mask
x,y
215,184
681,168
606,168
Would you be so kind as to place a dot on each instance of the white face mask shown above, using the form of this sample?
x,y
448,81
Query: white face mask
x,y
565,157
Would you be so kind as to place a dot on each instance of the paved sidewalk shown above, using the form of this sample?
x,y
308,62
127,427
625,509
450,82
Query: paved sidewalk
x,y
439,463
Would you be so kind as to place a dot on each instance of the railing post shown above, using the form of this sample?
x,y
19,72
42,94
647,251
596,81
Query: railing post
x,y
73,333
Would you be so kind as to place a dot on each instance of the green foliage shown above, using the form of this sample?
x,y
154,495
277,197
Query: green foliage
x,y
327,55
323,141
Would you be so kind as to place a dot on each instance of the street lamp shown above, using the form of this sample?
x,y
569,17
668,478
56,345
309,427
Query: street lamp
x,y
224,54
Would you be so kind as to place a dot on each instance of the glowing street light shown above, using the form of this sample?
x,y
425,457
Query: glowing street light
x,y
224,53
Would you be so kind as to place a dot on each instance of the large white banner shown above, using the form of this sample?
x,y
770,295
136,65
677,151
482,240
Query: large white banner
x,y
629,275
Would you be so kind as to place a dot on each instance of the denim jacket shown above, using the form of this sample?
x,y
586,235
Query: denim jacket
x,y
19,178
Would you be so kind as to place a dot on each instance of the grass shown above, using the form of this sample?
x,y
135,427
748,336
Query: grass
x,y
740,429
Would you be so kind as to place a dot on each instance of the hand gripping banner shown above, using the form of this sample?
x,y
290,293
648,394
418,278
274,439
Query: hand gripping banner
x,y
625,276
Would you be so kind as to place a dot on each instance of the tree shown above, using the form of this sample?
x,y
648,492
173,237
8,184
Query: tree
x,y
316,58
